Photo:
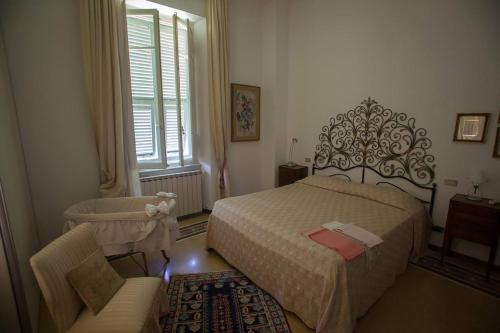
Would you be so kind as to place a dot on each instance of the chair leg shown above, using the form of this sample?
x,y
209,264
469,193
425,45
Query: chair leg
x,y
144,259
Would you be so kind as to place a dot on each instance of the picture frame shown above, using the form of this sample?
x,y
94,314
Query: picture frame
x,y
245,113
471,127
496,146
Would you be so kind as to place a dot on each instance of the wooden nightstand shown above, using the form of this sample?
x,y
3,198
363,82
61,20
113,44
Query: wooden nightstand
x,y
475,221
290,174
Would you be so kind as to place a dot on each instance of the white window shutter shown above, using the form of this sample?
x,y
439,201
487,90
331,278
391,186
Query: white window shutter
x,y
157,127
141,52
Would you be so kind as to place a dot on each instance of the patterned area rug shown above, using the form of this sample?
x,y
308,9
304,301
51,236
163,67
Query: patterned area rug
x,y
192,229
221,302
461,272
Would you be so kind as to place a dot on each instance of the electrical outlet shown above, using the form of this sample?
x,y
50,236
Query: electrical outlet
x,y
308,160
451,182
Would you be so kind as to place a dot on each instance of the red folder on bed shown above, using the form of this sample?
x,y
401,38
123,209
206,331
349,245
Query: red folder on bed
x,y
345,246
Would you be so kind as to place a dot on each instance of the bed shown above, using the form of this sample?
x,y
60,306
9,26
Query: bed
x,y
262,234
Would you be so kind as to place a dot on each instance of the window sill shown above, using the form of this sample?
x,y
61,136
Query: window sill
x,y
169,171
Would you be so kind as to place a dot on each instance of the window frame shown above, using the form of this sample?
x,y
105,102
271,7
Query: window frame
x,y
180,128
159,113
158,92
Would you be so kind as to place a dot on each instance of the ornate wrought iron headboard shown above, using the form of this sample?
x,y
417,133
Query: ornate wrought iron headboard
x,y
381,140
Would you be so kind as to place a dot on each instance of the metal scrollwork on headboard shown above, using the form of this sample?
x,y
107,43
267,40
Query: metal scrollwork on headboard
x,y
371,136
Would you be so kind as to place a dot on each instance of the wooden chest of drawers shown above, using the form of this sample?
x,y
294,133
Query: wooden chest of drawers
x,y
290,174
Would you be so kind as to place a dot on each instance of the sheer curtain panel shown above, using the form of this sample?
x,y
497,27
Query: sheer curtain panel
x,y
107,78
218,85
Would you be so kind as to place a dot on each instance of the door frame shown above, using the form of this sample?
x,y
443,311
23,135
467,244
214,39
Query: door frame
x,y
13,267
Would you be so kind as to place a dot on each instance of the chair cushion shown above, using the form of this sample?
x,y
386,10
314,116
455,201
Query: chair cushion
x,y
95,281
129,311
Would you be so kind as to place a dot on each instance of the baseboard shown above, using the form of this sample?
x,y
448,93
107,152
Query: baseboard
x,y
464,257
185,217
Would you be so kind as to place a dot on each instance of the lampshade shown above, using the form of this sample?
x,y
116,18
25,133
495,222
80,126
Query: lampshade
x,y
476,177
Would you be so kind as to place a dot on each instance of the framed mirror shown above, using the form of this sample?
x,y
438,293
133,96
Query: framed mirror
x,y
471,127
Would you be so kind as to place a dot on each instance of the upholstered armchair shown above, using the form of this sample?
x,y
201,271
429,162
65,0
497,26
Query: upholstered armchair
x,y
135,307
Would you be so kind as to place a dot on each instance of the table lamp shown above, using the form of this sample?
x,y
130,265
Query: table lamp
x,y
476,178
290,154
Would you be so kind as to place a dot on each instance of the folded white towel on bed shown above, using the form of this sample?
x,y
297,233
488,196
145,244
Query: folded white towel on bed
x,y
334,225
364,236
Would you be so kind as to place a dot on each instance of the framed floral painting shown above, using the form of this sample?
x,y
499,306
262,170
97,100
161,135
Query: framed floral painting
x,y
245,113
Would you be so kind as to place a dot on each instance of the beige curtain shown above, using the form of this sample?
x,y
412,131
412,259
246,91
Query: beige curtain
x,y
107,76
218,85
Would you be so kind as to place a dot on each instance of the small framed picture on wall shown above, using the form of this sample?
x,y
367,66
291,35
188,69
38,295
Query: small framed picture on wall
x,y
245,113
471,127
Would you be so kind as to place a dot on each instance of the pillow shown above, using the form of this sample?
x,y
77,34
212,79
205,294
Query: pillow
x,y
95,281
385,195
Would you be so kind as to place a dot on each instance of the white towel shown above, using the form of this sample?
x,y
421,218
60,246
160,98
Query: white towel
x,y
364,236
334,225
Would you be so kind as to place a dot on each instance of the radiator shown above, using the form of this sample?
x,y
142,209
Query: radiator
x,y
187,186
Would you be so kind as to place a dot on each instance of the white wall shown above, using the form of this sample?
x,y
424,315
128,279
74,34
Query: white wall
x,y
258,46
202,138
429,59
42,40
245,65
16,191
197,7
274,88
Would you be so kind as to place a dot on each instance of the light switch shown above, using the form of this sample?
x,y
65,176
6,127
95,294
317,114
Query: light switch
x,y
451,182
308,160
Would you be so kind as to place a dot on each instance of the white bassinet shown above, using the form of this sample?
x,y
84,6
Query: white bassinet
x,y
122,225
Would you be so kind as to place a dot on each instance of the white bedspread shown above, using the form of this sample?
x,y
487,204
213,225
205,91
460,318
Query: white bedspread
x,y
261,234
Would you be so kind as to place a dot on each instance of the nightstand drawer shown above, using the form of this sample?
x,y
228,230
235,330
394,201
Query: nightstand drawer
x,y
471,221
290,177
474,210
290,174
473,228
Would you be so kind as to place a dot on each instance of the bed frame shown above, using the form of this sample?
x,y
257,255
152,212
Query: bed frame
x,y
371,137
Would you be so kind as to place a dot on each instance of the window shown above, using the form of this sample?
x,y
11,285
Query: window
x,y
159,69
